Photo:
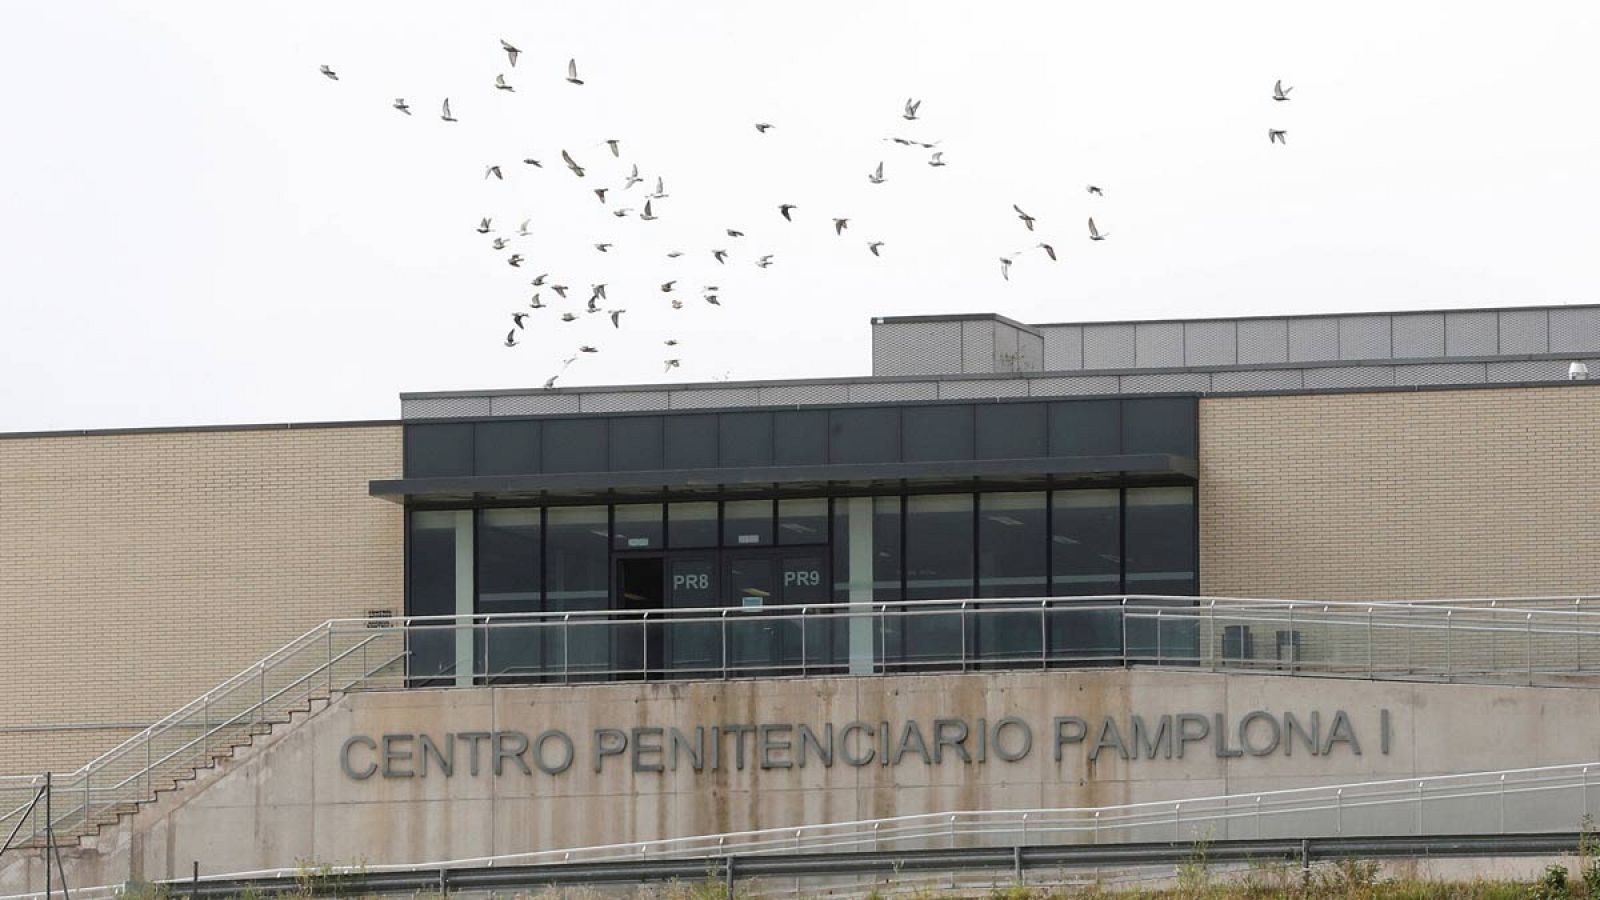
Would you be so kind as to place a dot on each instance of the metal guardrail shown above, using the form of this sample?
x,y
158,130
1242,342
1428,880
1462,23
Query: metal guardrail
x,y
1501,641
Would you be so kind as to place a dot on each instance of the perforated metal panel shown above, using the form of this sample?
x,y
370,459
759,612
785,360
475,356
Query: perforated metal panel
x,y
1166,382
1418,335
1527,370
1349,377
977,348
1072,385
993,387
1257,380
1364,337
444,407
536,404
1575,330
916,348
1524,331
1030,352
900,390
1471,334
1158,345
1063,348
1440,373
799,394
1263,341
1108,346
625,401
1210,343
1313,340
706,398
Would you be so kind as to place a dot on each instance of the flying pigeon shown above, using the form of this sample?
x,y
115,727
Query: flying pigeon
x,y
1277,136
588,349
515,260
648,215
576,169
783,208
536,303
601,193
332,75
511,52
569,317
938,159
599,292
762,127
500,243
560,289
572,71
493,170
511,338
623,211
1094,233
1049,251
1026,219
671,342
721,255
660,191
522,230
445,115
616,317
483,227
533,162
1096,191
603,247
873,246
666,286
550,382
400,104
633,178
500,84
764,261
712,299
839,225
911,109
593,305
613,144
671,364
734,232
677,304
1005,268
540,280
1279,92
876,177
517,317
674,254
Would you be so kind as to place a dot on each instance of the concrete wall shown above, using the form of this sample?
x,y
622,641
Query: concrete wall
x,y
139,569
1466,493
293,802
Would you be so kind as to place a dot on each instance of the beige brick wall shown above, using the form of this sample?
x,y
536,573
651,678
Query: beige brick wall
x,y
137,570
1461,493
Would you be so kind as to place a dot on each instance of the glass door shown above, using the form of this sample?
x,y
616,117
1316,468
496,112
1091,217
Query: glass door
x,y
762,585
692,646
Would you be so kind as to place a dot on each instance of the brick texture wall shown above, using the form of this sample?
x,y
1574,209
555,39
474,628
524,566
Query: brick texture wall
x,y
137,570
1462,493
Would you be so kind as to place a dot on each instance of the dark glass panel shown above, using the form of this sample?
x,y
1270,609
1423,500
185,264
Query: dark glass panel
x,y
747,523
691,441
692,524
1011,544
800,438
803,521
438,450
1159,425
507,448
939,565
1160,533
864,435
693,642
1086,560
578,577
574,445
636,444
1086,428
638,526
431,591
866,548
1011,430
745,439
937,433
508,548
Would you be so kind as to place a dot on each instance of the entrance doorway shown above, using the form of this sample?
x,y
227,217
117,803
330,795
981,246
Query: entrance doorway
x,y
637,648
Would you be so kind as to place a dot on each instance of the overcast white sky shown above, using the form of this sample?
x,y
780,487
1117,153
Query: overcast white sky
x,y
199,228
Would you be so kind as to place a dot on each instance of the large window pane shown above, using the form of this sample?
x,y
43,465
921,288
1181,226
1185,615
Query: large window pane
x,y
692,524
1011,544
638,526
866,549
747,523
1011,563
1161,560
577,577
939,565
803,521
1086,560
508,550
431,591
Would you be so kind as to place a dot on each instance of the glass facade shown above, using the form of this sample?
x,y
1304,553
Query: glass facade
x,y
1039,548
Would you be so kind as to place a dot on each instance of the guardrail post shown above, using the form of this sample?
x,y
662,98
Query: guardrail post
x,y
261,681
1124,617
1024,828
1016,864
1577,631
1095,837
1044,634
1585,775
1338,811
1369,643
727,876
952,832
1530,649
644,646
1305,863
1158,636
205,724
330,661
1293,652
1502,804
803,641
566,649
148,787
87,795
1419,807
1258,817
1211,636
875,836
963,614
724,645
1449,668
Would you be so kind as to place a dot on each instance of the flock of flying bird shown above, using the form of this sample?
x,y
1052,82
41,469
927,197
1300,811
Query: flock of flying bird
x,y
709,293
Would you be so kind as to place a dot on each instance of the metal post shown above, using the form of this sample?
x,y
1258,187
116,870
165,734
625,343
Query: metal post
x,y
261,679
88,771
148,789
49,837
205,724
724,645
566,649
1211,636
1292,654
1044,635
1096,835
1124,617
194,881
1338,811
1419,807
1258,817
803,642
1369,642
1502,804
644,646
1024,828
330,660
1530,649
727,877
1577,631
1016,864
1158,636
1177,821
963,614
1449,668
1585,775
952,832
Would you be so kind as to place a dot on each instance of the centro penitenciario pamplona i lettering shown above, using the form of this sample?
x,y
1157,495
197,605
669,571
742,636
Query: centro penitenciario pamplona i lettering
x,y
786,745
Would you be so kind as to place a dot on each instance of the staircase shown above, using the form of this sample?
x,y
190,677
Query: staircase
x,y
293,683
